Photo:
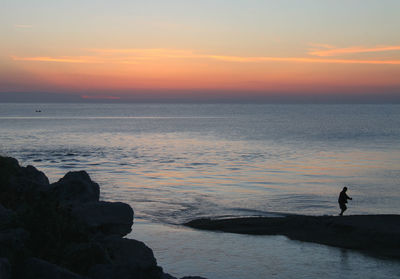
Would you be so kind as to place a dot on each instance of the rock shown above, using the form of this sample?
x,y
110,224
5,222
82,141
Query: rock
x,y
13,243
108,271
8,168
129,259
13,174
63,231
105,217
34,268
5,269
34,175
76,186
130,252
81,257
168,276
125,272
7,218
19,184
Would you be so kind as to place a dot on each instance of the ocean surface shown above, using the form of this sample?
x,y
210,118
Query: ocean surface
x,y
176,162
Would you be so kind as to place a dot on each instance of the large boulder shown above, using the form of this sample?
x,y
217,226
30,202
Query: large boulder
x,y
8,168
32,174
125,272
13,243
76,186
5,269
130,252
20,184
12,173
168,276
80,257
109,271
105,217
35,268
7,218
130,259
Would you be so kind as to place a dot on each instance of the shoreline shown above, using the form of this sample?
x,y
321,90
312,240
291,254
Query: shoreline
x,y
378,235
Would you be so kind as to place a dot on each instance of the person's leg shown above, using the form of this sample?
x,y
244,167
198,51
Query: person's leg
x,y
343,207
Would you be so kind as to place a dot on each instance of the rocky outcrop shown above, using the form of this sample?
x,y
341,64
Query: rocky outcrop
x,y
20,184
34,268
106,217
76,187
7,217
62,230
5,269
127,256
375,234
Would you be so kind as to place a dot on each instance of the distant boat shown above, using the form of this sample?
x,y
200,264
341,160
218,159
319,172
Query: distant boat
x,y
38,110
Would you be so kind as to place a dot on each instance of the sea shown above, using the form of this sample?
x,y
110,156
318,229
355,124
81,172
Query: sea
x,y
177,162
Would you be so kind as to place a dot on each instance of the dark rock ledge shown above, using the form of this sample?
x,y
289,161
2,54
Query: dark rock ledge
x,y
62,230
378,235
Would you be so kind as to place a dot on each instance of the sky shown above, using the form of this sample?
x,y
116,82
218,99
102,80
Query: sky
x,y
232,50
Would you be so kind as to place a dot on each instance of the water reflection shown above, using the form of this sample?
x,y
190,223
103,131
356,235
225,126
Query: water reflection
x,y
344,259
214,255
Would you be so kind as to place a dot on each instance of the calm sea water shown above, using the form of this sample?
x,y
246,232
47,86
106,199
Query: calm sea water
x,y
173,163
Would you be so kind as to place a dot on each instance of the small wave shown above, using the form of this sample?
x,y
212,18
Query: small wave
x,y
203,164
167,161
142,200
311,206
69,166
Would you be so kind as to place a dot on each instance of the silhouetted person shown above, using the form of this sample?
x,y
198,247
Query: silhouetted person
x,y
343,197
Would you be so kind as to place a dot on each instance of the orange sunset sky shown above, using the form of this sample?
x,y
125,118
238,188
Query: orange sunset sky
x,y
200,50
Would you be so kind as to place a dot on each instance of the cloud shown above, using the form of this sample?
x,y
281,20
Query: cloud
x,y
302,60
147,53
328,50
135,56
63,59
160,53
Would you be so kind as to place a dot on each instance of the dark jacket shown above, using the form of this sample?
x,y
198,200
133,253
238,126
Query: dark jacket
x,y
343,197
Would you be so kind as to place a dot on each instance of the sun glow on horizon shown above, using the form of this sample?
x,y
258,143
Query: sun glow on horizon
x,y
236,58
